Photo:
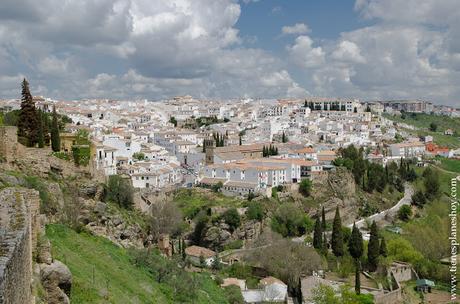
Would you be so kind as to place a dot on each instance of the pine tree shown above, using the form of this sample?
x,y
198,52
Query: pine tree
x,y
373,248
55,140
337,235
41,136
318,235
383,248
355,245
28,127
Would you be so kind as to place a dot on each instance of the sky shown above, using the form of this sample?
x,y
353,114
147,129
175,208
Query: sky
x,y
155,49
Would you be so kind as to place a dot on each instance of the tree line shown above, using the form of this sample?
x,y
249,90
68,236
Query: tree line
x,y
342,239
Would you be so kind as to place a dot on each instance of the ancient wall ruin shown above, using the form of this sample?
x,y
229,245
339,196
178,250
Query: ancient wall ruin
x,y
9,147
19,225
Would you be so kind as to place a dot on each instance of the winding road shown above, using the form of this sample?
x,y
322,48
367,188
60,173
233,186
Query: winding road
x,y
405,200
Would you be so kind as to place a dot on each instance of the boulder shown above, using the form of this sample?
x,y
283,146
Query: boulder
x,y
100,208
57,280
88,189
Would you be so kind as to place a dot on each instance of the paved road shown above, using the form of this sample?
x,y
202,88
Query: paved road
x,y
405,200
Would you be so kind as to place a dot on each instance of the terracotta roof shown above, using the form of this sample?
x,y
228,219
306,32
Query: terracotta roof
x,y
198,251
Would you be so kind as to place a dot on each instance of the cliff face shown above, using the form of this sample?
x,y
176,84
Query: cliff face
x,y
337,188
19,226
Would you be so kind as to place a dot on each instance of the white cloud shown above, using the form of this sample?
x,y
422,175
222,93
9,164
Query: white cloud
x,y
128,48
304,54
298,28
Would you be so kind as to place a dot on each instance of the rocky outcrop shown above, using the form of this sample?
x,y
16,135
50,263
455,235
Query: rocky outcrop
x,y
100,220
219,234
56,279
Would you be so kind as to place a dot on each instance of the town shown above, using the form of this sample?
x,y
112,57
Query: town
x,y
229,151
258,152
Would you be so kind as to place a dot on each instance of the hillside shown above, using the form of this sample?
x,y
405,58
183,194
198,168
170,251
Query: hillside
x,y
423,121
104,273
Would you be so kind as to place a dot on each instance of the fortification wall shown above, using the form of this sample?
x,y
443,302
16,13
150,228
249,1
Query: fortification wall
x,y
19,225
9,147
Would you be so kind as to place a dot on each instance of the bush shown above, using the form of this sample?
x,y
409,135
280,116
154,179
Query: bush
x,y
236,244
120,191
305,187
232,218
419,198
81,155
288,221
216,188
233,295
255,211
405,213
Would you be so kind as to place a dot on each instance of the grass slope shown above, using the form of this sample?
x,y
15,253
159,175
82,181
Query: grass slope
x,y
423,121
103,272
116,280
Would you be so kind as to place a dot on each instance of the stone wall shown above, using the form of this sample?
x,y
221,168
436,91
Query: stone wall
x,y
19,225
9,147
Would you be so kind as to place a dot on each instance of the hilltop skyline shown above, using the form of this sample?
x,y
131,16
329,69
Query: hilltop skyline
x,y
368,49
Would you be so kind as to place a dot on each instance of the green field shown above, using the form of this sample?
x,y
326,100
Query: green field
x,y
103,272
423,121
450,164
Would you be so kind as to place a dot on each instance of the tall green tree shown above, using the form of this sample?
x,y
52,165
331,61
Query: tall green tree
x,y
355,247
318,234
55,139
46,128
337,235
285,138
41,135
373,248
383,247
357,279
323,219
355,244
28,124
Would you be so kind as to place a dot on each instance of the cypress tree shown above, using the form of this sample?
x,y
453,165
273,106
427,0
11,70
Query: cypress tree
x,y
357,279
46,128
323,219
241,141
55,140
355,245
28,125
373,248
337,235
383,247
41,136
318,235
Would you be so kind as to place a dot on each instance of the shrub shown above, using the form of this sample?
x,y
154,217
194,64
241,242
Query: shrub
x,y
255,211
236,244
120,191
81,155
232,218
233,295
405,213
288,221
419,198
305,187
216,188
